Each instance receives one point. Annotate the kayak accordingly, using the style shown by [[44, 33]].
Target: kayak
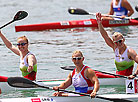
[[100, 98], [26, 83], [105, 79], [103, 82], [75, 24]]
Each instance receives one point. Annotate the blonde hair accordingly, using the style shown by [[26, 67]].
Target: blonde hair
[[77, 52], [24, 38], [116, 34]]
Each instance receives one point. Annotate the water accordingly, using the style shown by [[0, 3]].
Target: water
[[53, 49]]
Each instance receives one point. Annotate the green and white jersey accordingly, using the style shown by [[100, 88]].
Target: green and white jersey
[[122, 62], [24, 65]]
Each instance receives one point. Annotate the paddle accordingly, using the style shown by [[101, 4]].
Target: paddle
[[72, 68], [19, 15], [78, 11], [21, 82]]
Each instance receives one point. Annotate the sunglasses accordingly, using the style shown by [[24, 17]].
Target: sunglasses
[[120, 41], [22, 44], [77, 58]]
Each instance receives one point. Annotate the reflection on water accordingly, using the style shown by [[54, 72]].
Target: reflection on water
[[123, 29], [20, 93], [26, 93], [112, 89]]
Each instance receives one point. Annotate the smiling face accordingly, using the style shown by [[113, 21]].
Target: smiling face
[[22, 44], [77, 58], [118, 39]]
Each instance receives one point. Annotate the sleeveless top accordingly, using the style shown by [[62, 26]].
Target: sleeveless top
[[118, 9], [122, 62], [80, 82], [24, 65]]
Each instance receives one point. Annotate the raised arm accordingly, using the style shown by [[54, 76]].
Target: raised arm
[[104, 34], [9, 44]]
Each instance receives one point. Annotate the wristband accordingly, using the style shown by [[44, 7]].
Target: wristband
[[134, 75]]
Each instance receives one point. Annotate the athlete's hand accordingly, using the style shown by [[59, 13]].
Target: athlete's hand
[[131, 77], [98, 17], [93, 94], [58, 93], [123, 16], [56, 88]]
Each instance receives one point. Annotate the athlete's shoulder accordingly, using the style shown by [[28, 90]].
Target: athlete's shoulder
[[125, 2]]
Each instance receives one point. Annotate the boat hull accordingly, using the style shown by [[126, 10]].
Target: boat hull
[[74, 24], [128, 97], [48, 99]]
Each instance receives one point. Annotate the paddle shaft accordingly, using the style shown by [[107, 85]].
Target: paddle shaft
[[7, 24], [78, 11], [114, 100], [19, 15], [73, 67], [112, 74], [110, 99], [113, 16]]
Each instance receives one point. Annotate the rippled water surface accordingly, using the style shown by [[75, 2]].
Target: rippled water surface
[[54, 48]]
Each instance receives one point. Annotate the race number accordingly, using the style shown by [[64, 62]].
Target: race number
[[131, 86]]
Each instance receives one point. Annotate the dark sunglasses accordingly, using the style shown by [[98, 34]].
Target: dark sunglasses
[[77, 58], [22, 44], [120, 41]]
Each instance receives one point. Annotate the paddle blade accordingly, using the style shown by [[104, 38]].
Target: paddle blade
[[68, 67], [77, 11], [21, 82], [20, 15]]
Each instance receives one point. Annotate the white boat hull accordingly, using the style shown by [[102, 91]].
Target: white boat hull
[[128, 97], [103, 81]]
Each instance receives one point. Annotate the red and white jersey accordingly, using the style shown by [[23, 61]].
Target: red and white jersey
[[81, 83]]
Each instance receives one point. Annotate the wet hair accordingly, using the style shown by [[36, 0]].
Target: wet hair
[[76, 52], [116, 34], [24, 38]]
